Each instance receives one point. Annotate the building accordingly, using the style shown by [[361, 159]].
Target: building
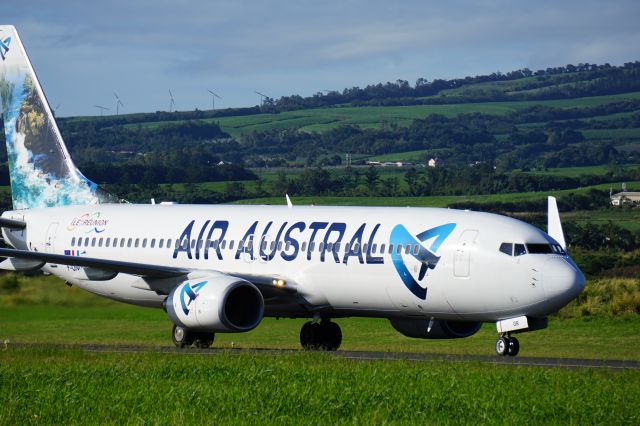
[[625, 197], [435, 162]]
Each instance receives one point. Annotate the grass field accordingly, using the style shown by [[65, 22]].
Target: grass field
[[51, 384], [55, 386], [321, 119]]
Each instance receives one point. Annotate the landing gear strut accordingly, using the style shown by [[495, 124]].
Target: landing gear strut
[[324, 336], [183, 337], [507, 345]]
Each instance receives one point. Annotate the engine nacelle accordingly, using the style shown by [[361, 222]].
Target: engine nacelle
[[440, 329], [219, 303]]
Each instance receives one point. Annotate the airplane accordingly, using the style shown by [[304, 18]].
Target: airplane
[[433, 273]]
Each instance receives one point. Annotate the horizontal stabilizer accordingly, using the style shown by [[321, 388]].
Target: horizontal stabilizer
[[11, 223]]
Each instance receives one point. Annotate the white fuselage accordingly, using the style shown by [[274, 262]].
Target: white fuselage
[[337, 257]]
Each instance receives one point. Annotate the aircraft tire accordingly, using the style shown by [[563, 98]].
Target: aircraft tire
[[502, 346], [331, 336], [514, 346], [310, 336], [181, 336], [204, 340]]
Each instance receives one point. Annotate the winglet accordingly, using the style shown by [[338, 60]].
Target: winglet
[[289, 204], [554, 226]]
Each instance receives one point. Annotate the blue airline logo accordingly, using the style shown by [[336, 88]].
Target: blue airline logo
[[189, 293], [401, 237], [4, 47]]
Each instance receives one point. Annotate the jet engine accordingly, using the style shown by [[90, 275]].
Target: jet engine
[[218, 304], [440, 329]]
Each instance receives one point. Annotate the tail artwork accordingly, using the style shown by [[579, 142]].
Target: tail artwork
[[41, 170]]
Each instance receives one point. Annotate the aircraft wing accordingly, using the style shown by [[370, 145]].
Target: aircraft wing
[[141, 269], [268, 285]]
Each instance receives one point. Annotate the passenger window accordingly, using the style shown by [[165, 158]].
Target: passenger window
[[390, 248], [312, 246], [161, 243], [144, 243], [107, 242], [86, 242], [137, 242], [222, 244], [374, 246], [519, 250], [100, 242], [382, 247], [329, 246], [93, 242], [169, 243], [336, 247], [356, 247], [287, 246], [129, 242], [153, 243], [73, 241], [407, 249], [304, 246], [365, 246], [215, 245], [416, 249], [121, 242], [272, 246], [399, 249], [231, 244], [507, 248], [193, 244], [321, 247]]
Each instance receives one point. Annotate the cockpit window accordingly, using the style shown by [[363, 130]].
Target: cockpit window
[[539, 248], [519, 250], [507, 248], [557, 249]]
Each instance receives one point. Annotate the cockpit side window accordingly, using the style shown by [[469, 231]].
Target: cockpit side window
[[539, 248], [519, 250], [507, 248]]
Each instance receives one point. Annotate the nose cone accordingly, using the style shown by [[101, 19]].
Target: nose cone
[[563, 281]]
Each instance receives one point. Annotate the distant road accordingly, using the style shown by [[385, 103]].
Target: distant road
[[611, 364]]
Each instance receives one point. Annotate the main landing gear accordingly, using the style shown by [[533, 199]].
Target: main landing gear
[[183, 337], [323, 336], [507, 345]]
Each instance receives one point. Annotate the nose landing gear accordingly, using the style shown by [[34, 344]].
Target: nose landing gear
[[507, 345]]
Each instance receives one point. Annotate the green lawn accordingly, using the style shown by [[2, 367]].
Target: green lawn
[[55, 386]]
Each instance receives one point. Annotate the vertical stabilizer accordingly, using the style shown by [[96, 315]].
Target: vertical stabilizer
[[42, 173]]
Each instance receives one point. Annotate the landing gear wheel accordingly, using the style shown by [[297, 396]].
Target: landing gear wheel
[[514, 346], [203, 340], [310, 336], [502, 346], [181, 336], [331, 336], [325, 336]]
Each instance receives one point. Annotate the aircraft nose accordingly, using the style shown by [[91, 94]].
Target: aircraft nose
[[563, 281]]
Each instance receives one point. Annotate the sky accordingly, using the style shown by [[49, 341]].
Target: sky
[[84, 51]]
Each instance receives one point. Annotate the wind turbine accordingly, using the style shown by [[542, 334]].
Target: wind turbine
[[172, 103], [213, 99], [262, 96], [118, 103], [55, 110], [102, 109]]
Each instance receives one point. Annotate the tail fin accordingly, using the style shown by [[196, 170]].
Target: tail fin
[[41, 171]]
